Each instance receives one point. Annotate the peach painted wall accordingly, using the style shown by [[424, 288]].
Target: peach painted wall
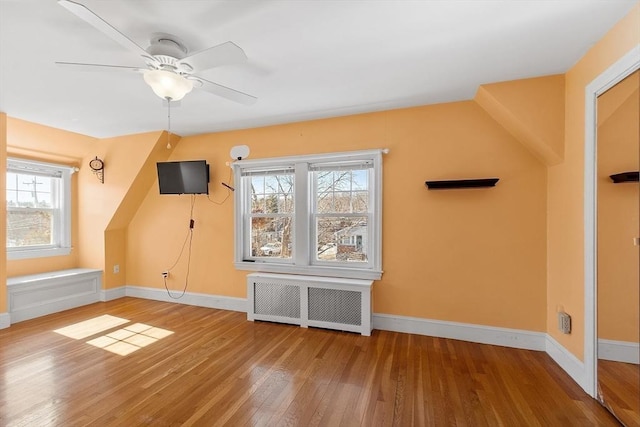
[[124, 158], [565, 283], [618, 222], [532, 110], [3, 213], [115, 255], [38, 142], [115, 234], [95, 207], [476, 256]]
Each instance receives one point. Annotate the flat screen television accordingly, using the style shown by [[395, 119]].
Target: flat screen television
[[186, 177]]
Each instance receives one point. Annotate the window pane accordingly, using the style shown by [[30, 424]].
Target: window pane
[[33, 226], [271, 237], [324, 202], [342, 191], [360, 201], [12, 181], [342, 239], [30, 227], [29, 191], [324, 181], [272, 193], [38, 208]]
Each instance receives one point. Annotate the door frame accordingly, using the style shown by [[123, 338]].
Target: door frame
[[621, 69]]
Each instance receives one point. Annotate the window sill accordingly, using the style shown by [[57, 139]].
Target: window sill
[[37, 253], [347, 273]]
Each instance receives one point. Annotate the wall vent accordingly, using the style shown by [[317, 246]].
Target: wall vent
[[325, 302]]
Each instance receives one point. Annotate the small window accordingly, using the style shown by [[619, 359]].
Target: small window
[[318, 214], [38, 209]]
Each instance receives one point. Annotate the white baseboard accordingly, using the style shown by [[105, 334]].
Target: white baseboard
[[189, 298], [619, 351], [573, 366], [111, 294], [515, 338], [5, 320]]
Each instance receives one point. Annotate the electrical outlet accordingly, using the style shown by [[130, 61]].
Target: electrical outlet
[[116, 269], [564, 322], [165, 274]]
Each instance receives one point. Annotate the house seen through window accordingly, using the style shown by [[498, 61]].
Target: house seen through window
[[315, 214]]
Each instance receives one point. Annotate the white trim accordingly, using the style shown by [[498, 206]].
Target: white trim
[[46, 293], [302, 262], [619, 351], [506, 337], [29, 166], [5, 320], [567, 361], [37, 253], [112, 294], [337, 272], [61, 228], [515, 338], [189, 298], [615, 73], [309, 158]]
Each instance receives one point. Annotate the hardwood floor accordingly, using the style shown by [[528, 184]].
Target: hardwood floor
[[216, 368], [620, 386]]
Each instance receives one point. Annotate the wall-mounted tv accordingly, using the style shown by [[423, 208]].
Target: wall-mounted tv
[[187, 177]]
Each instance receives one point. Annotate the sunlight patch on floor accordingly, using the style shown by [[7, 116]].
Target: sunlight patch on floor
[[121, 341], [130, 338], [90, 327]]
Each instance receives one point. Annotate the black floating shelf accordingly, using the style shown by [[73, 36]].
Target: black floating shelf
[[624, 177], [461, 183]]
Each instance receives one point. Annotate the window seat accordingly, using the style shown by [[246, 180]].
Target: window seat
[[37, 295]]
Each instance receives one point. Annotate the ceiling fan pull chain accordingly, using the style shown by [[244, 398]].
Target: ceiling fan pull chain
[[169, 123]]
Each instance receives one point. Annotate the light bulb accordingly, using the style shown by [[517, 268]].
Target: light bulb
[[167, 84]]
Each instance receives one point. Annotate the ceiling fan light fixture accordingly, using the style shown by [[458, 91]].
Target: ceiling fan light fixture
[[168, 85]]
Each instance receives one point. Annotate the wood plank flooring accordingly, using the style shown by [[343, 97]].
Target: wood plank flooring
[[216, 368], [620, 386]]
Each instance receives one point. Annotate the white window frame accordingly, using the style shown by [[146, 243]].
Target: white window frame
[[246, 189], [62, 215], [369, 263], [302, 261]]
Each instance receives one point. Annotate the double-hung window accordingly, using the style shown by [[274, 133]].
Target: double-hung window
[[38, 209], [314, 214]]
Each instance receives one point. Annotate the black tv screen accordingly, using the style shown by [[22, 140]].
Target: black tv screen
[[188, 177]]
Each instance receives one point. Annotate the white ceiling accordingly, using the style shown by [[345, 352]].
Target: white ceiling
[[307, 59]]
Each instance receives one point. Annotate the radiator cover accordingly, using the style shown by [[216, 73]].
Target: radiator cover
[[324, 302]]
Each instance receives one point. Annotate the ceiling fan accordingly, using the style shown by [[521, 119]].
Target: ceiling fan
[[170, 67]]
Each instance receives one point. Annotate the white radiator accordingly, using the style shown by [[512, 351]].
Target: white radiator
[[323, 302]]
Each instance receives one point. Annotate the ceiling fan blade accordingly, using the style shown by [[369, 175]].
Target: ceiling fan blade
[[99, 67], [225, 92], [222, 54], [94, 20]]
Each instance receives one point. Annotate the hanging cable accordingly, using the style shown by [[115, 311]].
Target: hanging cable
[[229, 188], [188, 238]]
